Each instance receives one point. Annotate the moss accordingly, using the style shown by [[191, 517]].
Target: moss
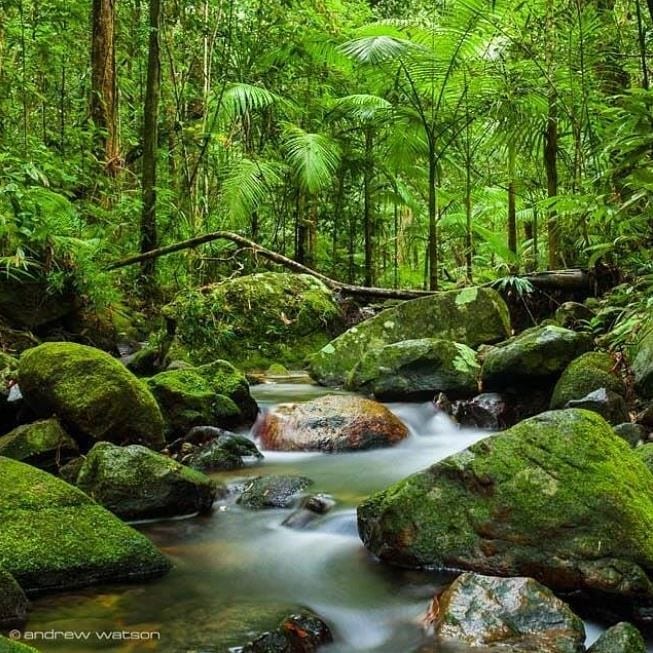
[[277, 369], [642, 364], [43, 444], [415, 368], [645, 454], [621, 638], [472, 317], [540, 353], [54, 537], [93, 394], [137, 483], [11, 646], [13, 602], [255, 320], [558, 497], [585, 374]]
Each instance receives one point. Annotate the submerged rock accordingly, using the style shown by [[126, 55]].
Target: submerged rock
[[507, 614], [585, 374], [256, 320], [92, 393], [54, 537], [536, 355], [272, 491], [137, 483], [611, 406], [472, 316], [414, 369], [559, 497], [303, 632], [622, 638], [13, 602], [333, 423], [43, 444], [310, 509]]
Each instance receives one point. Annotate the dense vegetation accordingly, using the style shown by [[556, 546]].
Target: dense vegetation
[[399, 144]]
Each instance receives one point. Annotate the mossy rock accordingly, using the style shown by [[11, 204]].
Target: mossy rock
[[43, 444], [13, 602], [585, 374], [534, 356], [92, 393], [216, 394], [559, 497], [277, 369], [473, 316], [136, 483], [54, 537], [621, 638], [507, 614], [12, 646], [255, 320], [415, 369], [273, 491], [642, 364], [645, 454]]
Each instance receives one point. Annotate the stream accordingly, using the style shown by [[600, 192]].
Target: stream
[[236, 567]]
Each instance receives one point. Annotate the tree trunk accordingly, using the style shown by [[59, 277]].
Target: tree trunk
[[104, 95], [551, 167], [433, 219], [368, 210], [512, 202], [150, 139]]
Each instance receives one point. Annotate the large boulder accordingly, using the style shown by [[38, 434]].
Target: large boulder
[[585, 374], [43, 444], [417, 369], [54, 537], [136, 483], [558, 497], [536, 355], [332, 423], [473, 316], [13, 602], [507, 614], [255, 320], [642, 365], [621, 638], [91, 393]]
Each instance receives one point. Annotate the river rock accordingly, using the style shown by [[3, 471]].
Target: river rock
[[559, 497], [507, 614], [631, 433], [489, 411], [642, 364], [134, 482], [309, 510], [472, 316], [417, 369], [333, 423], [92, 393], [221, 455], [536, 355], [255, 320], [585, 374], [611, 406], [303, 632], [43, 444], [272, 491], [13, 602], [573, 315], [54, 537], [621, 638]]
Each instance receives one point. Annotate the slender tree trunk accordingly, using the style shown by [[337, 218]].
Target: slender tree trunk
[[512, 202], [368, 210], [150, 138], [551, 168], [104, 94], [649, 3], [433, 219]]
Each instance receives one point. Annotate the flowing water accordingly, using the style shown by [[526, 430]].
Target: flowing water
[[236, 569]]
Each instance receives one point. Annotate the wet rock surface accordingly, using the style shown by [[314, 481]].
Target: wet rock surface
[[272, 491], [621, 638]]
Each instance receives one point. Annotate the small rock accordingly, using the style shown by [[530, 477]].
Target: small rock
[[622, 638], [310, 509], [272, 491], [13, 602], [298, 633], [488, 411], [507, 614], [333, 423], [573, 315], [631, 433], [611, 406]]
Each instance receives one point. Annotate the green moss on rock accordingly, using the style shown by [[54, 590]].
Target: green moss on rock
[[256, 319], [93, 394], [621, 638], [472, 316], [43, 444], [136, 483], [11, 646], [559, 497], [417, 368], [540, 353], [13, 602], [585, 374], [54, 537]]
